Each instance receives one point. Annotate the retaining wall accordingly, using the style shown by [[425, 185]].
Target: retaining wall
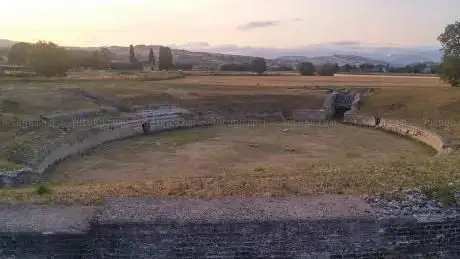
[[310, 115], [321, 227], [77, 115], [402, 128], [80, 142], [77, 143], [87, 139]]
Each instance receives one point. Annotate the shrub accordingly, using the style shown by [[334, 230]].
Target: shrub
[[445, 194], [450, 70], [42, 189], [328, 69], [306, 69], [258, 65], [48, 59]]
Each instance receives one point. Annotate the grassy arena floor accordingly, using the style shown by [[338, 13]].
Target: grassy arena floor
[[279, 150], [423, 101]]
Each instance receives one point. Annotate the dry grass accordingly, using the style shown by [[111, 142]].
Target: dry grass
[[355, 178], [229, 150], [419, 100], [102, 75], [306, 81], [256, 161]]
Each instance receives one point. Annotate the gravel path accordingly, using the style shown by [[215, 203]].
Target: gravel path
[[45, 219], [234, 209], [412, 203], [76, 219]]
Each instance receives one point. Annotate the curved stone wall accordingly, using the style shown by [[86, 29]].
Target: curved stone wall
[[402, 128], [81, 142]]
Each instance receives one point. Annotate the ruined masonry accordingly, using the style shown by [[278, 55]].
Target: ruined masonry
[[328, 226]]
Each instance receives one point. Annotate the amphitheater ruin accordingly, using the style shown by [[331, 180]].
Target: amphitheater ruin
[[328, 226]]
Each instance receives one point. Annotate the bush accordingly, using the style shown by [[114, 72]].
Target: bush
[[42, 189], [48, 59], [306, 69], [328, 69], [236, 67], [444, 193], [165, 59], [450, 70], [258, 65]]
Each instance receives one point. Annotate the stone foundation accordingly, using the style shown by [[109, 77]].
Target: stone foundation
[[322, 227]]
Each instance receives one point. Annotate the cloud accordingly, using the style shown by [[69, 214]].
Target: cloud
[[258, 24]]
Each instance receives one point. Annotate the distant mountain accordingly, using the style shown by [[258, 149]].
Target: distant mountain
[[338, 59], [395, 55], [206, 54], [183, 56]]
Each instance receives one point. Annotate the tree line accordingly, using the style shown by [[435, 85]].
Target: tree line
[[450, 66], [259, 65], [49, 59]]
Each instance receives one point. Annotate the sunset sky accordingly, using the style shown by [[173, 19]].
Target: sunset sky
[[261, 23]]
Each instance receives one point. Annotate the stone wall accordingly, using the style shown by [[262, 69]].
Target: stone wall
[[402, 128], [321, 227], [420, 134], [84, 140], [163, 118], [310, 115], [79, 142], [78, 115]]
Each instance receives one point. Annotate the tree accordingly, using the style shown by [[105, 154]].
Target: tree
[[100, 59], [236, 67], [346, 68], [151, 57], [435, 68], [132, 56], [450, 42], [306, 68], [19, 53], [165, 59], [48, 59], [327, 69], [258, 65], [450, 39], [450, 70]]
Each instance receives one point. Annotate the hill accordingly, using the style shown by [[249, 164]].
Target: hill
[[212, 59], [339, 59], [216, 59]]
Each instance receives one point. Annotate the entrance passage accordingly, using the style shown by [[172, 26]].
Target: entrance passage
[[339, 112]]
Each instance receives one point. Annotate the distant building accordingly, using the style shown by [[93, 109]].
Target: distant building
[[380, 68], [427, 70]]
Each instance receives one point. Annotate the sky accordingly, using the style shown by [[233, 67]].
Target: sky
[[256, 23]]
